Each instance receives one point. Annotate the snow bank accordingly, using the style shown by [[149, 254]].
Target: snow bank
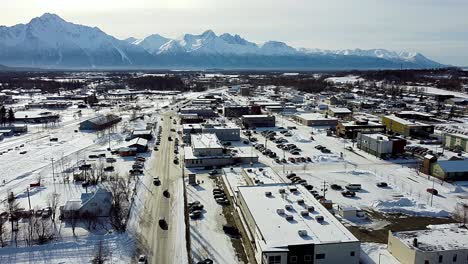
[[409, 207]]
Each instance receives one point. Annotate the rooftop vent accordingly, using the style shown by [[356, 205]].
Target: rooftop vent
[[280, 211], [289, 217], [302, 233], [304, 213], [292, 189], [268, 194], [310, 208], [282, 190], [288, 207], [300, 201], [319, 218]]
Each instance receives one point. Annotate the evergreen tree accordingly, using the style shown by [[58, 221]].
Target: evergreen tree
[[2, 115], [11, 116]]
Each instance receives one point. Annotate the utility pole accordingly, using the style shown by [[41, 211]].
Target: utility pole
[[432, 193], [29, 200], [324, 188]]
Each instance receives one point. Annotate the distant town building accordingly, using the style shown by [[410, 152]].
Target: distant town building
[[253, 121], [353, 128], [341, 113], [224, 132], [236, 110], [100, 122], [315, 119]]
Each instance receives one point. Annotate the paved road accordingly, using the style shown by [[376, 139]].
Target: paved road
[[161, 244]]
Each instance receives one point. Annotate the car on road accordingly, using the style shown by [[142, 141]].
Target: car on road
[[348, 193], [213, 172], [432, 191], [166, 193], [353, 187], [231, 230], [382, 184], [23, 152], [142, 259], [163, 223], [156, 181]]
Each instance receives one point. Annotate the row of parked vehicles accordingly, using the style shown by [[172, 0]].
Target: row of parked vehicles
[[323, 149], [195, 209], [220, 196], [138, 166], [158, 139]]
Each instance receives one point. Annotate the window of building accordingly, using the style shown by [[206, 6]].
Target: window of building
[[274, 260], [307, 258], [455, 258], [441, 258], [426, 262], [320, 256], [293, 259], [352, 254]]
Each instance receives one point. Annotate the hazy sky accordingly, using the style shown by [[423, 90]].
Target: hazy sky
[[436, 28]]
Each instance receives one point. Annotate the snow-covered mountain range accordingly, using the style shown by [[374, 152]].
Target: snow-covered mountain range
[[49, 41]]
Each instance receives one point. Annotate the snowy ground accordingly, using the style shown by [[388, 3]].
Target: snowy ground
[[19, 170], [208, 239]]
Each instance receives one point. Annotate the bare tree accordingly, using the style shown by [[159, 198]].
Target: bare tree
[[3, 232], [42, 230], [461, 213], [12, 208], [102, 254], [53, 202], [120, 207]]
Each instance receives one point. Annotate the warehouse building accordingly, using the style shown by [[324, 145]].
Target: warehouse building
[[205, 150], [407, 128], [315, 119], [253, 121], [437, 245], [286, 224], [380, 145], [224, 132], [456, 141], [100, 122], [340, 112], [200, 111], [451, 170], [236, 110]]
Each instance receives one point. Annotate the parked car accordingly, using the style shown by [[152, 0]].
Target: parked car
[[156, 181], [142, 259], [432, 191], [166, 193], [348, 193], [163, 224], [213, 172], [382, 184], [23, 152], [353, 187], [205, 261], [336, 187], [231, 230], [195, 214]]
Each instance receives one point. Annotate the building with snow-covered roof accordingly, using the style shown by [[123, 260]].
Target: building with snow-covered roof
[[286, 224], [205, 150], [253, 121], [315, 119], [380, 145], [340, 112], [444, 244], [407, 128], [100, 122]]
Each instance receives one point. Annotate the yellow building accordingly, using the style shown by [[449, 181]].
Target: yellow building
[[407, 128]]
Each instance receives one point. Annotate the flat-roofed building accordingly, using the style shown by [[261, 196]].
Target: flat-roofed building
[[381, 145], [224, 132], [205, 150], [253, 121], [353, 128], [286, 224], [315, 119], [407, 128], [440, 244], [235, 110], [200, 111], [340, 112]]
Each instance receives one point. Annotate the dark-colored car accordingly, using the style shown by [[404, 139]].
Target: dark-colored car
[[336, 187], [163, 224], [166, 193], [432, 191], [231, 230], [156, 181], [382, 184], [348, 194]]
